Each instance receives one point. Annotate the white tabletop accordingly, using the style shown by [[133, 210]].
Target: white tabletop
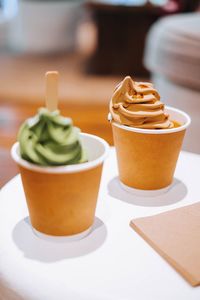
[[112, 262]]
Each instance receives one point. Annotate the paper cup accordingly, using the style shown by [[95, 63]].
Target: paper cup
[[62, 200], [147, 158]]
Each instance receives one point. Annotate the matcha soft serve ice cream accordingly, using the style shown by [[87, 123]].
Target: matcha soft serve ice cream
[[60, 179], [49, 139]]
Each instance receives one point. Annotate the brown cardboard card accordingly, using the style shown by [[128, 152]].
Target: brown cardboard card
[[175, 235]]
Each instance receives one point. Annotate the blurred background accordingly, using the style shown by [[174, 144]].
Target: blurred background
[[93, 44]]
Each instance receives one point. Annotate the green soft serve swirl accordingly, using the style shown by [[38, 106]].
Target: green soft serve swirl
[[49, 139]]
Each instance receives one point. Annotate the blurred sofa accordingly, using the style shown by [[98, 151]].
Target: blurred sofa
[[172, 55]]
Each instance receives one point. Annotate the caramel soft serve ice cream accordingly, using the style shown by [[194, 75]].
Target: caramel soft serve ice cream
[[137, 104], [147, 136]]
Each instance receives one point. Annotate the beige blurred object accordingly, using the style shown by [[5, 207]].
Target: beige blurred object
[[173, 57], [86, 37], [175, 236], [45, 26]]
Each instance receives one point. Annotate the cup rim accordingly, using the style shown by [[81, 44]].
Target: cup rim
[[62, 169], [162, 131]]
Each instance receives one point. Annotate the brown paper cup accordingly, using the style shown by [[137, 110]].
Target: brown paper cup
[[147, 158], [62, 200]]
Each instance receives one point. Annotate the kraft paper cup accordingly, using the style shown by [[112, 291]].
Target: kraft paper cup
[[147, 158], [62, 200]]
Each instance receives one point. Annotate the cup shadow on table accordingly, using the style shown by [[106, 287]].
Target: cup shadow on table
[[176, 193], [36, 248]]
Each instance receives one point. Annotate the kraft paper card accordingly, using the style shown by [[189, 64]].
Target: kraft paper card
[[175, 235]]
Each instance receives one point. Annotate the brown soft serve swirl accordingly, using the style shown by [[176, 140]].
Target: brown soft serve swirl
[[137, 104]]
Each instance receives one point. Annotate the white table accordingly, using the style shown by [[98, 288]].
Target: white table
[[112, 262]]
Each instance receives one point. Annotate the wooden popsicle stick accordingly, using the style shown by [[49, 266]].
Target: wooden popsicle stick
[[52, 90]]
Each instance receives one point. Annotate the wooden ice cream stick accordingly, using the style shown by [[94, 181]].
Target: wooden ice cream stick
[[52, 90]]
